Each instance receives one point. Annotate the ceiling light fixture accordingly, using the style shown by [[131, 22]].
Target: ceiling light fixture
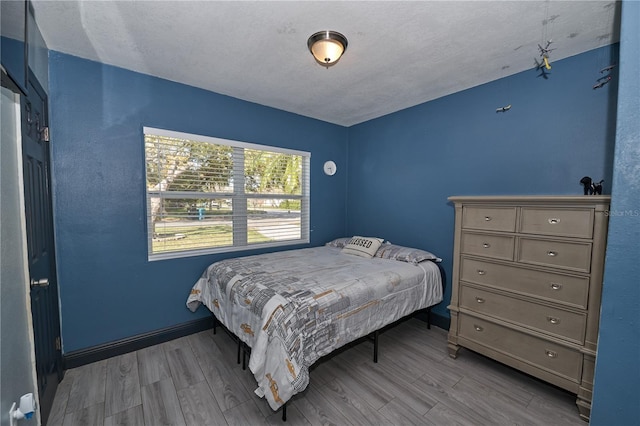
[[327, 47]]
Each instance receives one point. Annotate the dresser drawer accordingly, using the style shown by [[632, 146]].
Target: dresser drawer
[[489, 218], [530, 349], [560, 288], [560, 254], [560, 222], [496, 246], [547, 319]]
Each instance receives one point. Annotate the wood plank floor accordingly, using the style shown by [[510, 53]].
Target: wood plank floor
[[195, 380]]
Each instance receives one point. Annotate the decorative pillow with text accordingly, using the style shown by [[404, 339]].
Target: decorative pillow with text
[[362, 246]]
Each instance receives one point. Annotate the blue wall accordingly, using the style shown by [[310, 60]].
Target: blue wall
[[108, 289], [403, 166], [401, 169], [616, 396]]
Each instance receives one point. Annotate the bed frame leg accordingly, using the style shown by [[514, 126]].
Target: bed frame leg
[[429, 318], [375, 346], [239, 350], [244, 356], [215, 323], [284, 412]]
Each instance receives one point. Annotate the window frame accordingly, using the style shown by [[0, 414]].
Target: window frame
[[239, 196]]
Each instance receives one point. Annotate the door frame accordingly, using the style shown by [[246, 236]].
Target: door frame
[[18, 354]]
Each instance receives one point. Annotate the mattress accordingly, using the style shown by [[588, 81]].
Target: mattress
[[293, 307]]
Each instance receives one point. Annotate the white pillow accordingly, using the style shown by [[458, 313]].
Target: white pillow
[[338, 242], [405, 254], [362, 246]]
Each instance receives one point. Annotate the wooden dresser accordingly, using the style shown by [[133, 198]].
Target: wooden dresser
[[526, 284]]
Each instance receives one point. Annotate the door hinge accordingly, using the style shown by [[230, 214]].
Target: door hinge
[[58, 344], [45, 134]]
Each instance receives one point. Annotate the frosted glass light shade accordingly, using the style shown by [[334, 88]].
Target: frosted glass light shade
[[327, 47]]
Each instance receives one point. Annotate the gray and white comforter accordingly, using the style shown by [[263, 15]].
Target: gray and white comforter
[[293, 307]]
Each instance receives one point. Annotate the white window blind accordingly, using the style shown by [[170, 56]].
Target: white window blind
[[210, 195]]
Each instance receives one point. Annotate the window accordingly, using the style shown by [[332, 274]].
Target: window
[[209, 195]]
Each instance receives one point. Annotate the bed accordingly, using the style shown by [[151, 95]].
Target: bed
[[293, 307]]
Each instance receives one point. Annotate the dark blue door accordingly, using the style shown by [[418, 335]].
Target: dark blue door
[[40, 242]]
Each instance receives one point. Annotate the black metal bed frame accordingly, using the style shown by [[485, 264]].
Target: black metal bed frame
[[244, 349]]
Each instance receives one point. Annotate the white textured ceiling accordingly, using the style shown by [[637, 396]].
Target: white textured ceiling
[[400, 53]]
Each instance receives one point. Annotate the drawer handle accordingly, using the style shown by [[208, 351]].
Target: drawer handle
[[478, 328], [555, 286], [481, 272], [552, 253], [553, 220], [551, 354], [553, 320], [486, 245], [479, 299], [487, 218]]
